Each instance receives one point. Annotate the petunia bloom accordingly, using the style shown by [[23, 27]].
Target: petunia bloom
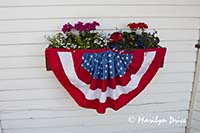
[[91, 26], [80, 26], [134, 26], [116, 37], [67, 27]]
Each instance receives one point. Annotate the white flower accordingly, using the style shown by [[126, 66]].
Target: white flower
[[74, 32], [139, 31], [65, 36]]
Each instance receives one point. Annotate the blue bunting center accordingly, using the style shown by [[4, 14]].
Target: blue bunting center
[[105, 65]]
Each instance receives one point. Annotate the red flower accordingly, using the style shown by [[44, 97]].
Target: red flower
[[116, 36], [134, 26], [142, 26]]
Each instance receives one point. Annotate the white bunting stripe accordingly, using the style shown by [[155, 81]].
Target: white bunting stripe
[[68, 66]]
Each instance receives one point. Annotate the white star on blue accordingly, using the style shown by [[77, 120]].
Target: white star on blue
[[105, 65]]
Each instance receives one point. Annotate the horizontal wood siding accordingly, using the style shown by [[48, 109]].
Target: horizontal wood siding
[[196, 114], [32, 100]]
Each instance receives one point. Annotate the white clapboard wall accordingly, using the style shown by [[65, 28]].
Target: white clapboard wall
[[196, 113], [32, 100]]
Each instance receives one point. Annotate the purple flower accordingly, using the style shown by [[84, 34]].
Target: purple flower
[[91, 26], [95, 23], [67, 27], [79, 26]]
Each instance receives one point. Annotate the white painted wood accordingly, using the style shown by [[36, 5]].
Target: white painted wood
[[197, 106], [195, 124], [98, 120], [53, 83], [179, 46], [64, 106], [57, 105], [33, 101], [32, 94], [173, 78], [158, 88], [131, 109], [178, 57], [41, 73], [70, 111], [22, 50], [21, 62], [97, 2], [64, 129], [196, 115], [194, 130], [29, 84], [60, 93], [105, 23], [155, 88], [96, 11], [25, 73]]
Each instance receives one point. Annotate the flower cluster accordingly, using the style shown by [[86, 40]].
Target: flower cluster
[[84, 36], [136, 38], [80, 26], [78, 36], [135, 26]]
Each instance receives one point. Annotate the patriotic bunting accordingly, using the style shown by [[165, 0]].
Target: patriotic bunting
[[104, 78]]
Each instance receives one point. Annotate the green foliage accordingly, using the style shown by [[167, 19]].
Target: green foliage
[[85, 36], [77, 40], [134, 40]]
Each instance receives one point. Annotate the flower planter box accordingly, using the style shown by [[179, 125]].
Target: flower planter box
[[104, 78]]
